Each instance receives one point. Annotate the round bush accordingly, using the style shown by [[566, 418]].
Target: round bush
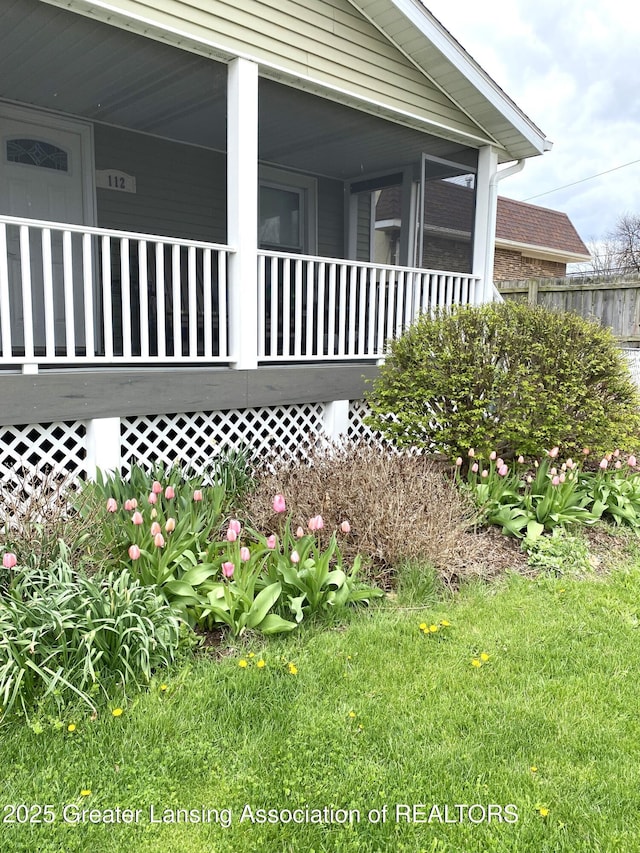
[[507, 377]]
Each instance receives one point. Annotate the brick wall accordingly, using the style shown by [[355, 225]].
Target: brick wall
[[511, 265]]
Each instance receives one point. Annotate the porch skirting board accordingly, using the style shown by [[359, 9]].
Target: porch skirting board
[[76, 449]]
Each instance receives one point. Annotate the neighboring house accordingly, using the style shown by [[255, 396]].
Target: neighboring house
[[187, 197], [530, 241], [534, 242]]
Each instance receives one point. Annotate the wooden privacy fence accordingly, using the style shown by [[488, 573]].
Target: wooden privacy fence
[[612, 299]]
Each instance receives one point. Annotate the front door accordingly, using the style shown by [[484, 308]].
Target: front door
[[44, 164]]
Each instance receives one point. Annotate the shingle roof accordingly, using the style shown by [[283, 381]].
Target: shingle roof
[[520, 222]]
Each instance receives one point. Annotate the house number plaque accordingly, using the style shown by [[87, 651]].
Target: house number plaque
[[113, 179]]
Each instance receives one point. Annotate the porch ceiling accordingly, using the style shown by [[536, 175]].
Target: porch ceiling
[[63, 61]]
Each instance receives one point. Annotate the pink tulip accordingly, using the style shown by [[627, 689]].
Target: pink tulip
[[618, 464], [153, 498], [130, 505], [503, 470], [562, 477], [485, 473], [158, 540], [555, 481], [315, 523], [234, 524], [295, 557], [170, 526], [631, 461], [112, 505], [137, 518], [345, 527], [521, 460], [499, 462], [493, 456], [228, 569], [9, 560], [156, 488], [231, 535], [134, 552], [585, 451], [474, 468], [458, 461], [245, 554], [155, 528], [169, 493], [570, 463], [279, 504], [553, 472], [271, 542], [554, 452], [471, 452], [197, 495], [616, 453], [604, 464], [154, 513], [299, 533]]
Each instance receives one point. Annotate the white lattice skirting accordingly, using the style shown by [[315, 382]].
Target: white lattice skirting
[[76, 449]]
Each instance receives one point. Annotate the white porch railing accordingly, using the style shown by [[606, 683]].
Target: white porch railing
[[75, 294], [314, 308]]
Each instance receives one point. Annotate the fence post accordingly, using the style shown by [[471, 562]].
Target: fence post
[[532, 293], [336, 420], [103, 446]]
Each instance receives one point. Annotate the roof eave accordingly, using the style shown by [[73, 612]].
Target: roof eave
[[546, 253]]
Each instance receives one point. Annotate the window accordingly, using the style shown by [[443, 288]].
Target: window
[[287, 211], [35, 152]]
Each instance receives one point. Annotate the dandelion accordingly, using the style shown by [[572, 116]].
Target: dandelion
[[71, 727], [117, 712], [158, 540], [228, 569], [156, 488], [475, 662], [444, 623], [543, 811], [352, 714], [423, 626], [251, 655], [163, 688], [271, 542], [484, 657], [433, 629], [260, 664], [242, 663], [279, 504], [533, 769], [85, 792], [9, 560], [134, 552], [235, 525], [137, 518], [197, 495], [293, 669], [245, 554], [170, 526], [169, 493], [112, 505]]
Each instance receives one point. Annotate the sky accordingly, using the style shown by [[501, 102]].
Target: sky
[[573, 67]]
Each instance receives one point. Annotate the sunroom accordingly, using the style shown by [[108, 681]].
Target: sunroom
[[165, 199]]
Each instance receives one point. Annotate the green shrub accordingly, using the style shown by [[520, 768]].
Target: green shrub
[[64, 636], [507, 377]]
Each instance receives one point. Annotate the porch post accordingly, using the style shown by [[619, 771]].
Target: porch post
[[103, 446], [242, 211], [484, 241]]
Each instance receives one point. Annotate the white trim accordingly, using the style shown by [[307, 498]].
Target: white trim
[[83, 129], [307, 186], [530, 250]]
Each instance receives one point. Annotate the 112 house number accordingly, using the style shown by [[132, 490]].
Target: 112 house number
[[111, 179]]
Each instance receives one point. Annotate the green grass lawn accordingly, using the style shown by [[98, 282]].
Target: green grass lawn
[[379, 717]]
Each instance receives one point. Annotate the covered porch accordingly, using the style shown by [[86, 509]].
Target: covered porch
[[159, 206]]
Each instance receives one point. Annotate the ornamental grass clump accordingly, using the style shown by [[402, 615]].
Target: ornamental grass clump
[[505, 376]]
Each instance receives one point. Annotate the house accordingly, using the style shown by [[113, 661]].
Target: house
[[530, 241], [534, 241], [187, 197]]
